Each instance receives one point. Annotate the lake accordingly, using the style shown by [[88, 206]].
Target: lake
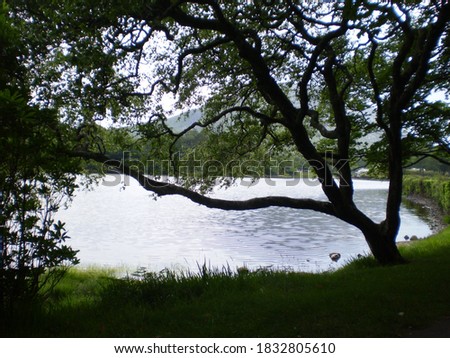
[[124, 226]]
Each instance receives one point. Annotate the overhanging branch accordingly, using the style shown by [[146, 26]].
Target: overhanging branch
[[162, 189]]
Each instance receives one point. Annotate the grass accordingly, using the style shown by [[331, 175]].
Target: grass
[[360, 300], [435, 187]]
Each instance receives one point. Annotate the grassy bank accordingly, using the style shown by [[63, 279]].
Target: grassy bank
[[436, 188], [360, 300]]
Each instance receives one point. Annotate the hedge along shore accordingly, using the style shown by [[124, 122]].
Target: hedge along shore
[[433, 195]]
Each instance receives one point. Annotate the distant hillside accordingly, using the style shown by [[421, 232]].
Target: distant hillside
[[184, 120]]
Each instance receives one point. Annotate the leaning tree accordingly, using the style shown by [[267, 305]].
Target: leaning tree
[[312, 77]]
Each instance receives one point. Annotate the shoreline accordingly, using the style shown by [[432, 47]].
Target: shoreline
[[429, 210]]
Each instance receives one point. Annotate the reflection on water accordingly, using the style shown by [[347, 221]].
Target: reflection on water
[[116, 227]]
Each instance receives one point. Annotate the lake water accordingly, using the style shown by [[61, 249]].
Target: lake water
[[125, 227]]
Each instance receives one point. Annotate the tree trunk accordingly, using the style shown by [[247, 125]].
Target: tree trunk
[[383, 247]]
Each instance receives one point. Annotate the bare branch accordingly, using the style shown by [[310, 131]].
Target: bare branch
[[196, 51], [264, 119], [427, 155]]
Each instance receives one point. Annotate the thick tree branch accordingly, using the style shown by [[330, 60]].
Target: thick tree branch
[[428, 39], [265, 82], [376, 90], [330, 134], [343, 127], [162, 189]]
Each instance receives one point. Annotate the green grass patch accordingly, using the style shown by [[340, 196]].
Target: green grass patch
[[435, 187], [362, 299]]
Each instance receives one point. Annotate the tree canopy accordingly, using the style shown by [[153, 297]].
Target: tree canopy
[[313, 78]]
